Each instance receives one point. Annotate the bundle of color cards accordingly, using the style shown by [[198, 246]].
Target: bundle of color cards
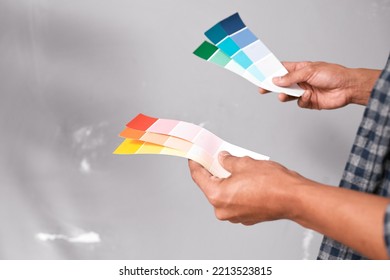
[[148, 135], [236, 48]]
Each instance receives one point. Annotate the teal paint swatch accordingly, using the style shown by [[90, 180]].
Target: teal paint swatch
[[256, 73], [216, 33], [242, 59], [228, 46]]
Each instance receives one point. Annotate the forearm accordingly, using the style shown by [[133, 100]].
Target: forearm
[[353, 218], [361, 84], [262, 190]]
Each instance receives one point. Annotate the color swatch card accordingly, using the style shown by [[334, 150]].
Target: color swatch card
[[148, 135], [236, 48]]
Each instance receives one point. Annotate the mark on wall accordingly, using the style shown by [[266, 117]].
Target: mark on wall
[[86, 142], [87, 237], [308, 236], [85, 166], [89, 137]]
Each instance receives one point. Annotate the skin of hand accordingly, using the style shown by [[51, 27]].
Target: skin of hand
[[327, 85], [259, 191]]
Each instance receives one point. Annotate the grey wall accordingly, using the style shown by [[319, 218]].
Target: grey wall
[[72, 73]]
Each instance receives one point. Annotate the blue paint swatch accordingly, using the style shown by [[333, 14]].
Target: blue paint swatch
[[232, 24], [242, 59], [256, 73], [216, 33], [244, 38], [257, 51]]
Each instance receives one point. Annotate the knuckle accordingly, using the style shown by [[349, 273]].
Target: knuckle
[[215, 198], [310, 68], [244, 161]]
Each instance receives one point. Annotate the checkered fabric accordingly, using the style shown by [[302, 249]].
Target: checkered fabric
[[368, 166]]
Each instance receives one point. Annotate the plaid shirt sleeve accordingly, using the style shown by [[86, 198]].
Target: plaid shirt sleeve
[[368, 166], [387, 229]]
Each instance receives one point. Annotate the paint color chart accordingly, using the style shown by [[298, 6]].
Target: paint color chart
[[148, 135], [235, 48]]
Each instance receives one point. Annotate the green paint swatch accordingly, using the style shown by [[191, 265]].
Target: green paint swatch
[[220, 58], [212, 53], [205, 50]]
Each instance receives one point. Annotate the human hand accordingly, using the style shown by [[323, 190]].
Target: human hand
[[256, 191], [327, 85]]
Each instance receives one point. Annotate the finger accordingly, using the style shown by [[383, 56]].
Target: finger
[[305, 100], [204, 179], [294, 77], [227, 160], [263, 91], [235, 220], [285, 98], [246, 223]]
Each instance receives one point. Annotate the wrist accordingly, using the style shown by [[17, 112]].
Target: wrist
[[362, 83], [301, 197], [295, 198]]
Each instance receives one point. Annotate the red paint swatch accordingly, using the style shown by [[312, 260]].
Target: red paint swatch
[[141, 122]]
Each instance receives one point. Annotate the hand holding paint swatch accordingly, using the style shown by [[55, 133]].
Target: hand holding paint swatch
[[148, 135], [240, 51]]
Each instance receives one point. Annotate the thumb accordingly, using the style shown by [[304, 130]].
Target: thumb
[[227, 160], [298, 76]]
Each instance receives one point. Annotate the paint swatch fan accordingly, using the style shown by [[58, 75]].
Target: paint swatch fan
[[235, 48], [148, 135]]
